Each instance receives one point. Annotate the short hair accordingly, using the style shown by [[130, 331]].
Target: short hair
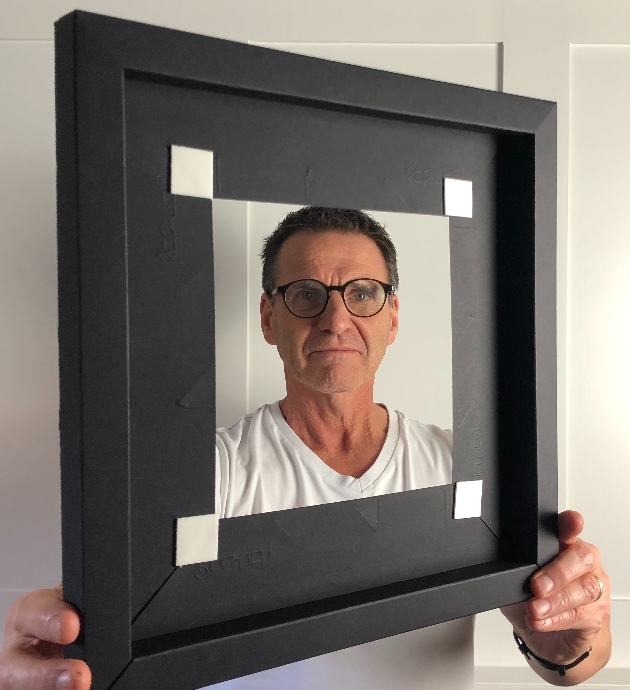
[[316, 219]]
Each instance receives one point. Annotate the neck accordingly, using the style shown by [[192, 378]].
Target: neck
[[346, 430]]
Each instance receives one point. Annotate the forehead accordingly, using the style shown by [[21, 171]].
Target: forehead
[[330, 255]]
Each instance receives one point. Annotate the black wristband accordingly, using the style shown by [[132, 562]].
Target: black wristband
[[549, 665]]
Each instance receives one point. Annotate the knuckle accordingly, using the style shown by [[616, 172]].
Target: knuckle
[[568, 572], [590, 587], [572, 616], [563, 600], [601, 616], [589, 555]]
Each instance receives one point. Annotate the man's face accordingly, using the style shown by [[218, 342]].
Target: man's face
[[334, 352]]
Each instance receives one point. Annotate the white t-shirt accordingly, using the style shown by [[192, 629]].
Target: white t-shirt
[[262, 465]]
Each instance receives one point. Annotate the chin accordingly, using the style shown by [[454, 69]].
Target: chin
[[330, 386], [332, 390]]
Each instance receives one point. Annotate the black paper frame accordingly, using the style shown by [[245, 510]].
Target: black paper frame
[[136, 291]]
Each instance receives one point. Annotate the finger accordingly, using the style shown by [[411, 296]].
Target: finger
[[570, 526], [576, 560], [581, 592], [588, 619], [21, 672], [45, 616]]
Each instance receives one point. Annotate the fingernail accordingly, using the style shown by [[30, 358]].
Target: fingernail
[[541, 606], [544, 583], [54, 627], [64, 681]]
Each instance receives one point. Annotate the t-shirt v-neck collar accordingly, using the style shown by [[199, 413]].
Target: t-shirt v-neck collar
[[358, 485]]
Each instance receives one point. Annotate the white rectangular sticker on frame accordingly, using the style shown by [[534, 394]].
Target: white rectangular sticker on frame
[[197, 539], [467, 499], [192, 172], [458, 198]]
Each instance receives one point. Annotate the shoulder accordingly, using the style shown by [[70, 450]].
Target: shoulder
[[427, 450], [245, 425], [234, 433], [238, 456], [427, 434]]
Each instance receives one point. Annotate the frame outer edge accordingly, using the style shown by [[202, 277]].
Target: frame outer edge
[[69, 330], [275, 646], [104, 361], [95, 449], [272, 71], [102, 587], [546, 343]]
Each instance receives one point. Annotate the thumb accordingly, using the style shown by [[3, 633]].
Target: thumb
[[570, 526]]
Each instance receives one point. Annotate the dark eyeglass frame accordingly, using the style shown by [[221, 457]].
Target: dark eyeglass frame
[[282, 289]]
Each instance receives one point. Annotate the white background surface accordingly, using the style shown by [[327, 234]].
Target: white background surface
[[574, 52], [424, 336], [249, 371]]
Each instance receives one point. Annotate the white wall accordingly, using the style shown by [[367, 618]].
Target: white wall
[[537, 48], [424, 336]]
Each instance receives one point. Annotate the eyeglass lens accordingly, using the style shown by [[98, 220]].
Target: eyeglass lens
[[308, 297]]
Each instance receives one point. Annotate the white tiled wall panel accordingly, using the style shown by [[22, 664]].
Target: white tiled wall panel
[[451, 40], [394, 21], [599, 23], [34, 19], [29, 446], [598, 371]]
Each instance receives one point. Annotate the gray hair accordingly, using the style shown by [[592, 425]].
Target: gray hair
[[315, 219]]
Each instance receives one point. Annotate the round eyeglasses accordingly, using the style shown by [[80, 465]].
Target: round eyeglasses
[[307, 298]]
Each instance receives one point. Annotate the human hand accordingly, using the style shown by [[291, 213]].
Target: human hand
[[567, 615], [36, 628]]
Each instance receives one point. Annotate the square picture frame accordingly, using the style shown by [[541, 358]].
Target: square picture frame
[[136, 341]]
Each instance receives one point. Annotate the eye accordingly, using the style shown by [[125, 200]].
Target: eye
[[361, 293]]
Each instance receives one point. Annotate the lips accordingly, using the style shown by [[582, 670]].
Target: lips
[[329, 347]]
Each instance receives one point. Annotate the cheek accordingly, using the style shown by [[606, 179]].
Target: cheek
[[376, 343], [380, 335], [289, 340]]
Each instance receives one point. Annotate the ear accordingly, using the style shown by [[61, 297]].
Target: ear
[[393, 319], [266, 318]]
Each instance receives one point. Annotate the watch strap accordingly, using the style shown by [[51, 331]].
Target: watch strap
[[549, 665]]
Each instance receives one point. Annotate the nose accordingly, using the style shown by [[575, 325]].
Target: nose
[[335, 318]]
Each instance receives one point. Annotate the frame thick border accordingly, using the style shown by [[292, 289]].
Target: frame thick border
[[116, 568]]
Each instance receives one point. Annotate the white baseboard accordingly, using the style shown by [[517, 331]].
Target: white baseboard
[[518, 678]]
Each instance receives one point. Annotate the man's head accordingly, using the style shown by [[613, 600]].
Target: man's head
[[336, 351], [317, 219]]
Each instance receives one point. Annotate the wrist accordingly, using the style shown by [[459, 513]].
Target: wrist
[[560, 669]]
